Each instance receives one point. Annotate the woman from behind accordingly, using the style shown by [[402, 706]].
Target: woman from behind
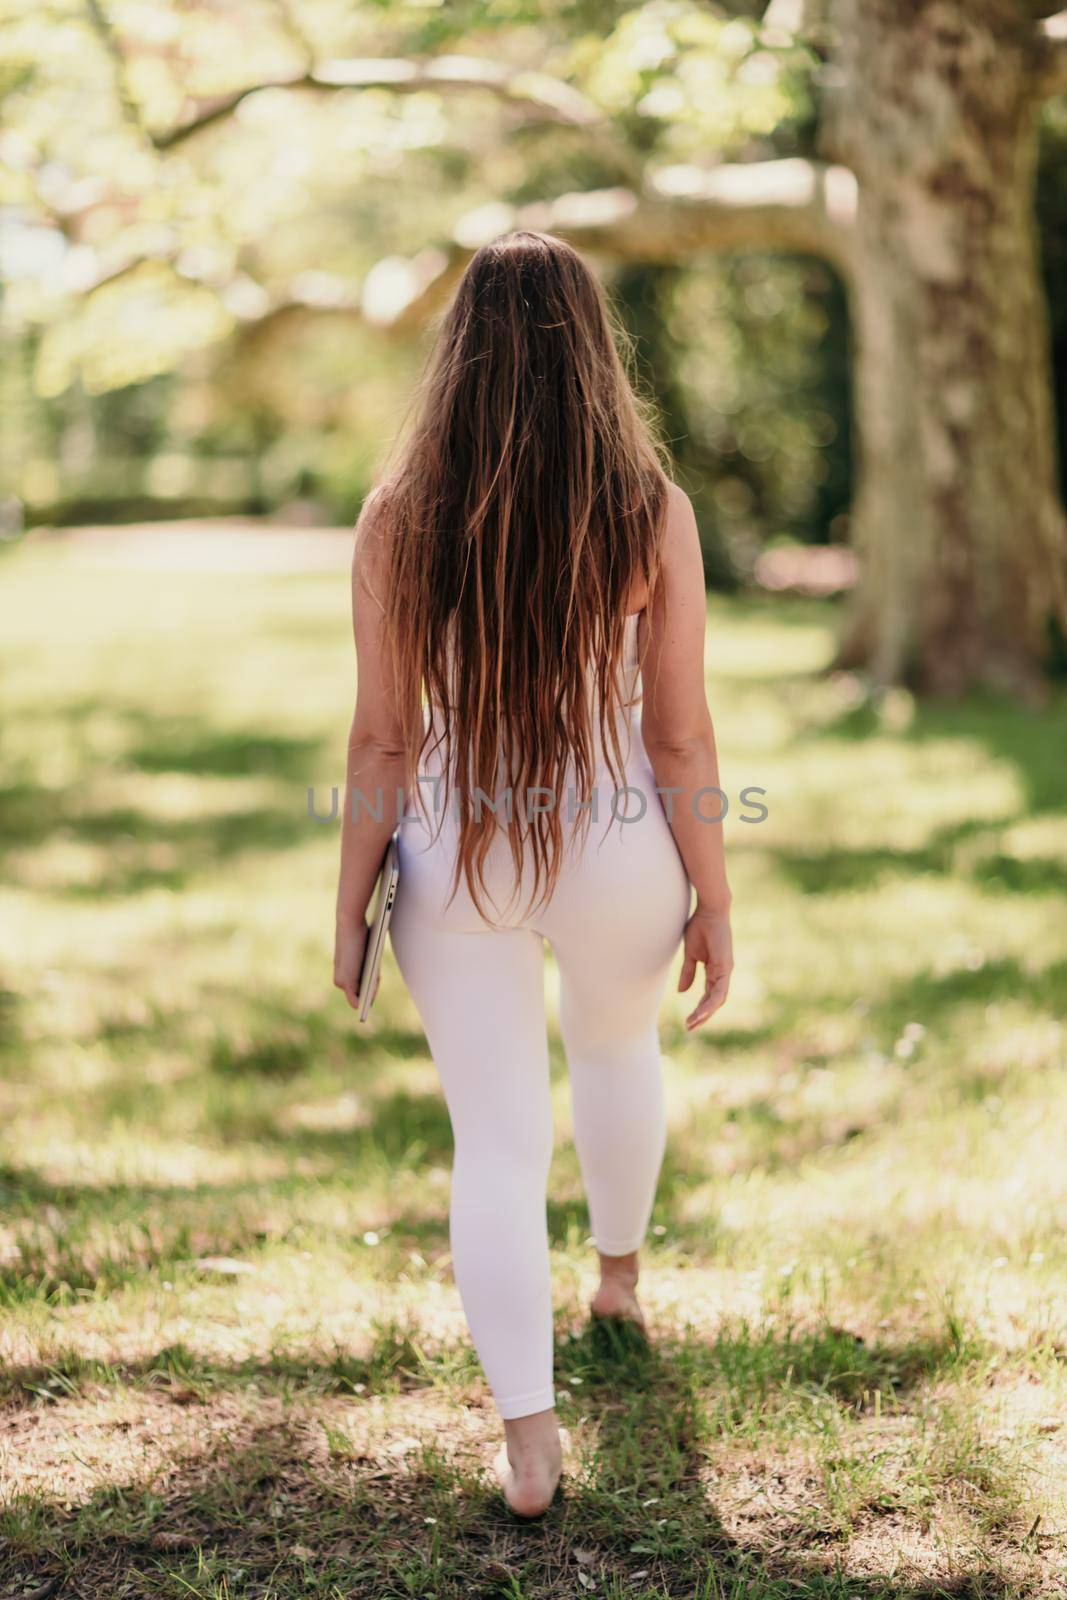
[[528, 608]]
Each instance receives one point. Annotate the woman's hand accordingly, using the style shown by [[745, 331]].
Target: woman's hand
[[349, 945], [707, 941]]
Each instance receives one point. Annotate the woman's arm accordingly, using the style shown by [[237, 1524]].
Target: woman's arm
[[376, 747], [680, 740]]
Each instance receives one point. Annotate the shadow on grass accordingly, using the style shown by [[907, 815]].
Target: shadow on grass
[[944, 855], [743, 1371], [98, 1237], [193, 746], [934, 997], [142, 849], [1032, 739], [71, 1239], [295, 1509]]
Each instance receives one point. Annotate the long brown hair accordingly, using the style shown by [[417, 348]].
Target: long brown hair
[[523, 509]]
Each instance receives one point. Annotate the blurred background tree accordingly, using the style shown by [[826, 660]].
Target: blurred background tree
[[226, 226]]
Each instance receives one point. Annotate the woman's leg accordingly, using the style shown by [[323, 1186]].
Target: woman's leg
[[481, 1000], [616, 1086], [615, 927]]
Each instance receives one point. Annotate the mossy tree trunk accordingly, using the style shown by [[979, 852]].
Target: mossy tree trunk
[[958, 516]]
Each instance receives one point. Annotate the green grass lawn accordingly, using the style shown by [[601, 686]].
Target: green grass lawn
[[856, 1276]]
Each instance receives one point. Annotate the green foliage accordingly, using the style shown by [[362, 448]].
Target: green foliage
[[747, 361], [687, 81], [249, 407], [187, 382]]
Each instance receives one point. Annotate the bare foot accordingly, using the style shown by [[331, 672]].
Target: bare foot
[[529, 1463], [617, 1295]]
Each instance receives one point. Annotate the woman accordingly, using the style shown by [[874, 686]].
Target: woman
[[524, 566]]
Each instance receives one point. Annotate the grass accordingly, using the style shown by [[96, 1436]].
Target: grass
[[233, 1362]]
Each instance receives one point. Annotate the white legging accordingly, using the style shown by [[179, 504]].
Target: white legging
[[614, 922]]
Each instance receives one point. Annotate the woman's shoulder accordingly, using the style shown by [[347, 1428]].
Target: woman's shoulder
[[679, 513], [680, 534], [376, 519], [377, 502], [681, 560], [371, 545]]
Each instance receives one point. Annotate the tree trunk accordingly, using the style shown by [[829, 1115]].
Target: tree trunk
[[958, 517]]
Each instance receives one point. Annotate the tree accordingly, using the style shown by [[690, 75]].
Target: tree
[[923, 203], [958, 514]]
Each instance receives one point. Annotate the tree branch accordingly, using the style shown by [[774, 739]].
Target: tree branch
[[98, 21], [243, 295], [548, 99], [1051, 72], [685, 212]]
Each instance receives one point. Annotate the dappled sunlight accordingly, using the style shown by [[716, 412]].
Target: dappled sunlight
[[832, 241], [78, 1446], [225, 1204], [885, 794], [53, 1150]]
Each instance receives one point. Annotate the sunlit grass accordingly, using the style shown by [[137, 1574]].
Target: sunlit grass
[[234, 1362]]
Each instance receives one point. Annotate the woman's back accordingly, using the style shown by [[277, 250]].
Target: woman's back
[[610, 800], [526, 506]]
